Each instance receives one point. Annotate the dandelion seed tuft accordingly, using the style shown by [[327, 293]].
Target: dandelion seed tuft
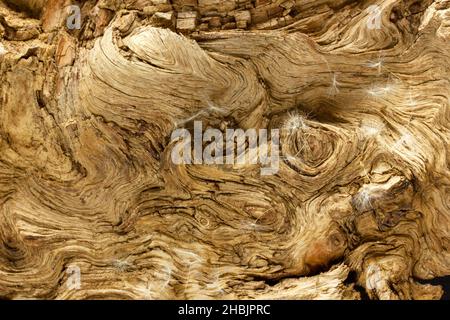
[[295, 122]]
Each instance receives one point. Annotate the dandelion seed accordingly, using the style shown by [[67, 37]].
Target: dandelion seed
[[376, 64], [371, 128], [205, 111], [189, 255], [211, 107], [405, 140], [255, 226], [145, 290], [304, 146], [122, 265], [365, 197], [383, 90], [289, 158], [334, 89], [295, 122], [193, 117], [380, 91], [362, 201]]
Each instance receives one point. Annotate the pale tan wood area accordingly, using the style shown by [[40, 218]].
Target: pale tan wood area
[[359, 91]]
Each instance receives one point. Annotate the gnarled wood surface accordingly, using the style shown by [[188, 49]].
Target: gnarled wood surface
[[361, 199]]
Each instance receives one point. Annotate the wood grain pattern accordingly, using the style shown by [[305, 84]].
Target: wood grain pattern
[[361, 198]]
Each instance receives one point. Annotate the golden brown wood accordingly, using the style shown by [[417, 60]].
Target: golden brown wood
[[361, 198]]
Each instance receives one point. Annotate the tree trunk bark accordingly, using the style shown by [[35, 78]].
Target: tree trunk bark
[[92, 204]]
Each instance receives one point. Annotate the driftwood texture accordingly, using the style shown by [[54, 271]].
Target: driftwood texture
[[361, 200]]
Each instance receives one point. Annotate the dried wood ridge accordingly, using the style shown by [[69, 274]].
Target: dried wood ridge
[[361, 199]]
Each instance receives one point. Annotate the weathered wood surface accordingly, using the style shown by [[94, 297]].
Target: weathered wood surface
[[361, 199]]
